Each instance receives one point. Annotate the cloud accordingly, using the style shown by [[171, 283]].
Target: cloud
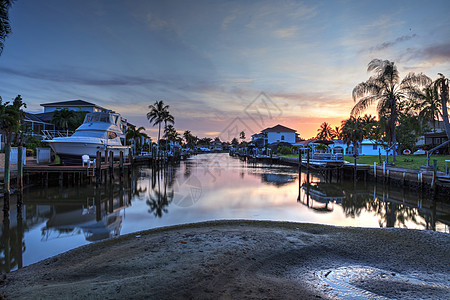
[[286, 32], [68, 76], [390, 44]]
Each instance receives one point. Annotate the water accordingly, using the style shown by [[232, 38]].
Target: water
[[205, 187]]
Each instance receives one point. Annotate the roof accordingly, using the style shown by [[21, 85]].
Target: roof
[[305, 142], [34, 118], [70, 103], [278, 128], [436, 134]]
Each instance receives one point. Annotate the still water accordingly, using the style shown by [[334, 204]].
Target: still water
[[204, 187]]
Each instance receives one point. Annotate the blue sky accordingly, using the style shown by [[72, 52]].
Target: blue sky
[[210, 60]]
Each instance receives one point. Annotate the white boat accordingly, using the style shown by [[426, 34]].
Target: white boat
[[100, 131]]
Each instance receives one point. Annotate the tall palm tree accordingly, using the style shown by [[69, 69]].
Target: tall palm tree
[[63, 118], [386, 88], [157, 114], [325, 132], [429, 105], [5, 27], [171, 133], [441, 85]]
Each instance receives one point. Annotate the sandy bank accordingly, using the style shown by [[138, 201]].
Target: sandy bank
[[245, 260]]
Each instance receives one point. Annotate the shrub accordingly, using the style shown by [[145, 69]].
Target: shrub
[[284, 150]]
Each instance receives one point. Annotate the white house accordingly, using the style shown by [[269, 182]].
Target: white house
[[279, 133], [366, 147]]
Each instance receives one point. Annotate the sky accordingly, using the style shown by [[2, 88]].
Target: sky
[[222, 66]]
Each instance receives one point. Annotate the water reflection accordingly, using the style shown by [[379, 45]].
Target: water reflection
[[206, 187]]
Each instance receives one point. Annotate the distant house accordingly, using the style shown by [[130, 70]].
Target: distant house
[[75, 105], [366, 147], [278, 133], [435, 139]]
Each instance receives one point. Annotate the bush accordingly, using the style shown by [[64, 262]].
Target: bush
[[284, 150]]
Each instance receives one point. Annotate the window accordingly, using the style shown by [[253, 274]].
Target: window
[[282, 137], [111, 135], [375, 147]]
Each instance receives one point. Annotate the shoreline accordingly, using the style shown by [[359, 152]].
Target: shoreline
[[243, 259]]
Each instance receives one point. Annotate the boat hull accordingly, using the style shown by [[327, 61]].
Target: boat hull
[[71, 152]]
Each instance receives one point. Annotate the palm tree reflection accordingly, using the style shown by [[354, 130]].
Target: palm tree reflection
[[162, 192]]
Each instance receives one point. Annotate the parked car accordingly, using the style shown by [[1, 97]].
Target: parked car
[[420, 152]]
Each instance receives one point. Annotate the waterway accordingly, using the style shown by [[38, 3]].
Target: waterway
[[205, 187]]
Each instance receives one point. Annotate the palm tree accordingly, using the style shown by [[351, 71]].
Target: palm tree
[[352, 133], [337, 132], [10, 118], [441, 86], [167, 118], [325, 132], [5, 27], [386, 88], [429, 105], [171, 133], [63, 118], [134, 134], [156, 115]]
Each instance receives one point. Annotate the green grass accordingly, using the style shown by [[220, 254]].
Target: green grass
[[403, 161]]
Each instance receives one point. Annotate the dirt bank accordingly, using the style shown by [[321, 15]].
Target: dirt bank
[[245, 260]]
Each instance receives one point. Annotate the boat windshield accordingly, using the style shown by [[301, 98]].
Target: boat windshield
[[91, 133], [101, 117]]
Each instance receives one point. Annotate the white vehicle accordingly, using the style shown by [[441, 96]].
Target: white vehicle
[[100, 131]]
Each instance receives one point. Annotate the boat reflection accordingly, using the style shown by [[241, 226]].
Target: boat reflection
[[321, 196]]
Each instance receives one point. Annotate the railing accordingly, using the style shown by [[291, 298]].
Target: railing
[[51, 134]]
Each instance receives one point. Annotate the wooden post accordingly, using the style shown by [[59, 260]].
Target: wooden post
[[98, 168], [20, 168], [111, 165], [106, 155], [121, 165], [60, 179], [7, 179]]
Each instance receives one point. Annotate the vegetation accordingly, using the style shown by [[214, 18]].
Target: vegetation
[[386, 88], [283, 150], [403, 161], [63, 118], [159, 113], [5, 27], [326, 133], [135, 136]]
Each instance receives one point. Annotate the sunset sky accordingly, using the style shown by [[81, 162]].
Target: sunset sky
[[220, 65]]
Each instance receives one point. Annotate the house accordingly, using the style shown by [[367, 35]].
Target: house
[[435, 139], [278, 133], [366, 147], [75, 105]]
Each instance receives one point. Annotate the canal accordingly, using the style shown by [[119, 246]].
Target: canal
[[205, 187]]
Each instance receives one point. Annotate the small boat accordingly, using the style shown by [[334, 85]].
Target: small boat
[[100, 131]]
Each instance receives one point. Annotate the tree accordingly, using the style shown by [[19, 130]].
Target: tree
[[63, 118], [167, 118], [325, 132], [441, 85], [337, 133], [5, 27], [234, 142], [353, 133], [171, 134], [135, 134], [10, 118], [386, 88], [157, 115], [242, 135]]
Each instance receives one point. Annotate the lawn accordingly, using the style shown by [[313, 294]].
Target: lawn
[[403, 161]]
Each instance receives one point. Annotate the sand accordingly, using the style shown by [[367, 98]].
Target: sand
[[245, 260]]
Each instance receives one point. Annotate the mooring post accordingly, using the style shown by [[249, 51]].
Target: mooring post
[[111, 165], [403, 180], [20, 168], [121, 165], [375, 170], [435, 167]]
